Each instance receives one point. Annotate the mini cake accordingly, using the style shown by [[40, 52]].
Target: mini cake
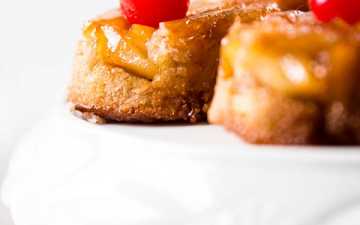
[[139, 73], [290, 79]]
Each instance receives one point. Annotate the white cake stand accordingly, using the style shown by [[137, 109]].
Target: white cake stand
[[70, 172]]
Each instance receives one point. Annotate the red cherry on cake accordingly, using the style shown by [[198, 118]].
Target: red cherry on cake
[[327, 10], [152, 12]]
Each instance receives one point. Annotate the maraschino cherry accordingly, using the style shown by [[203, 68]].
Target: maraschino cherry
[[152, 12], [327, 10]]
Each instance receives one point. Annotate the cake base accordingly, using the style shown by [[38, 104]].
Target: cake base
[[68, 171]]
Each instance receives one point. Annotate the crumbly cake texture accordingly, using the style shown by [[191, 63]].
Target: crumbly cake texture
[[186, 53], [290, 80]]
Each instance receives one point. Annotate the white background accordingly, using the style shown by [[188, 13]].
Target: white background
[[37, 41]]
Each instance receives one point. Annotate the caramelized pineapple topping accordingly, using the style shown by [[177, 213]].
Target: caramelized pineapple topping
[[121, 44], [299, 59]]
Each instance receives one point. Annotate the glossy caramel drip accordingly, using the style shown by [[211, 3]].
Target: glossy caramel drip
[[121, 44]]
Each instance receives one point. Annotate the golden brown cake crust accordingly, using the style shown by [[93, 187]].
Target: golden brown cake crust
[[264, 117], [114, 94]]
